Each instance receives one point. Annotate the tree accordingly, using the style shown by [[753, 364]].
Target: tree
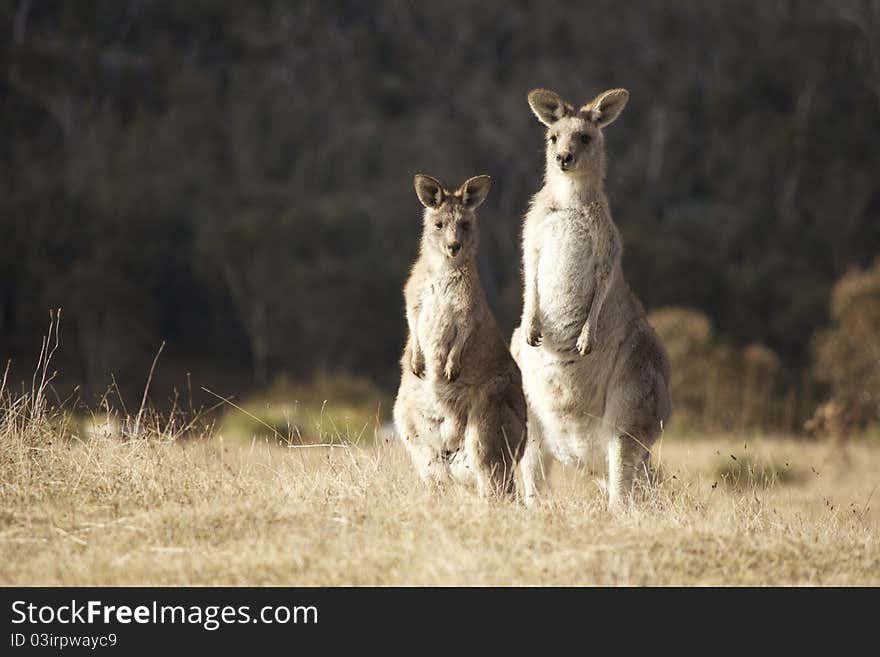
[[848, 352]]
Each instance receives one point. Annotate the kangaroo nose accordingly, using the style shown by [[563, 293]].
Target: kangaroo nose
[[454, 247], [564, 158]]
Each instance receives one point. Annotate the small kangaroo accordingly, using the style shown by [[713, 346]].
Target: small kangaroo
[[595, 373], [460, 409]]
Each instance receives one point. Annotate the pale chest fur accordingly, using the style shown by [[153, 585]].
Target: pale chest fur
[[566, 244], [446, 304]]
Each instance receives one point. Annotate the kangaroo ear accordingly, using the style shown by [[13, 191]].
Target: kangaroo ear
[[606, 107], [548, 106], [474, 191], [429, 190]]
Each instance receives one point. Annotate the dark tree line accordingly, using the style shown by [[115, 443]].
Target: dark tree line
[[235, 178]]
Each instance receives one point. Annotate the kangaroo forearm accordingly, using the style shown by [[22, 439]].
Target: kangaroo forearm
[[452, 362], [416, 347], [587, 338], [604, 277], [531, 301], [596, 306], [417, 358], [453, 358], [412, 315], [457, 346]]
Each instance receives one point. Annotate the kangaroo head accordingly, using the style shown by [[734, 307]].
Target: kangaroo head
[[450, 229], [575, 145]]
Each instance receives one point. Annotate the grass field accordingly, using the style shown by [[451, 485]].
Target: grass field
[[193, 501], [202, 508]]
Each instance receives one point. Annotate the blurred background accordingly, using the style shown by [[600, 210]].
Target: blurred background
[[235, 179]]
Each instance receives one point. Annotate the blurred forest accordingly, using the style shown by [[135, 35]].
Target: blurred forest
[[235, 179]]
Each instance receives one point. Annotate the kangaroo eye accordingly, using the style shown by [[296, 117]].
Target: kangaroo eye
[[438, 225], [552, 139], [466, 225], [586, 139]]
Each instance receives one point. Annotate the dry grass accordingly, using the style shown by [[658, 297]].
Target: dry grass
[[175, 507], [160, 511]]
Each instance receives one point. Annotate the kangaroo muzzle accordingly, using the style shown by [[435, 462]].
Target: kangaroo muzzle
[[453, 248], [564, 160]]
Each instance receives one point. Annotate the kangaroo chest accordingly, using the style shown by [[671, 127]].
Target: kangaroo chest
[[445, 307], [566, 247]]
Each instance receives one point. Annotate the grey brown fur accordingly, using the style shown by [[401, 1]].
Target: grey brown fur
[[594, 372], [460, 409]]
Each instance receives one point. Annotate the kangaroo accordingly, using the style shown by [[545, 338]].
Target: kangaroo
[[595, 374], [460, 409]]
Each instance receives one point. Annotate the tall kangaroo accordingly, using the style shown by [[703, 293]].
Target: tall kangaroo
[[595, 374], [460, 409]]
